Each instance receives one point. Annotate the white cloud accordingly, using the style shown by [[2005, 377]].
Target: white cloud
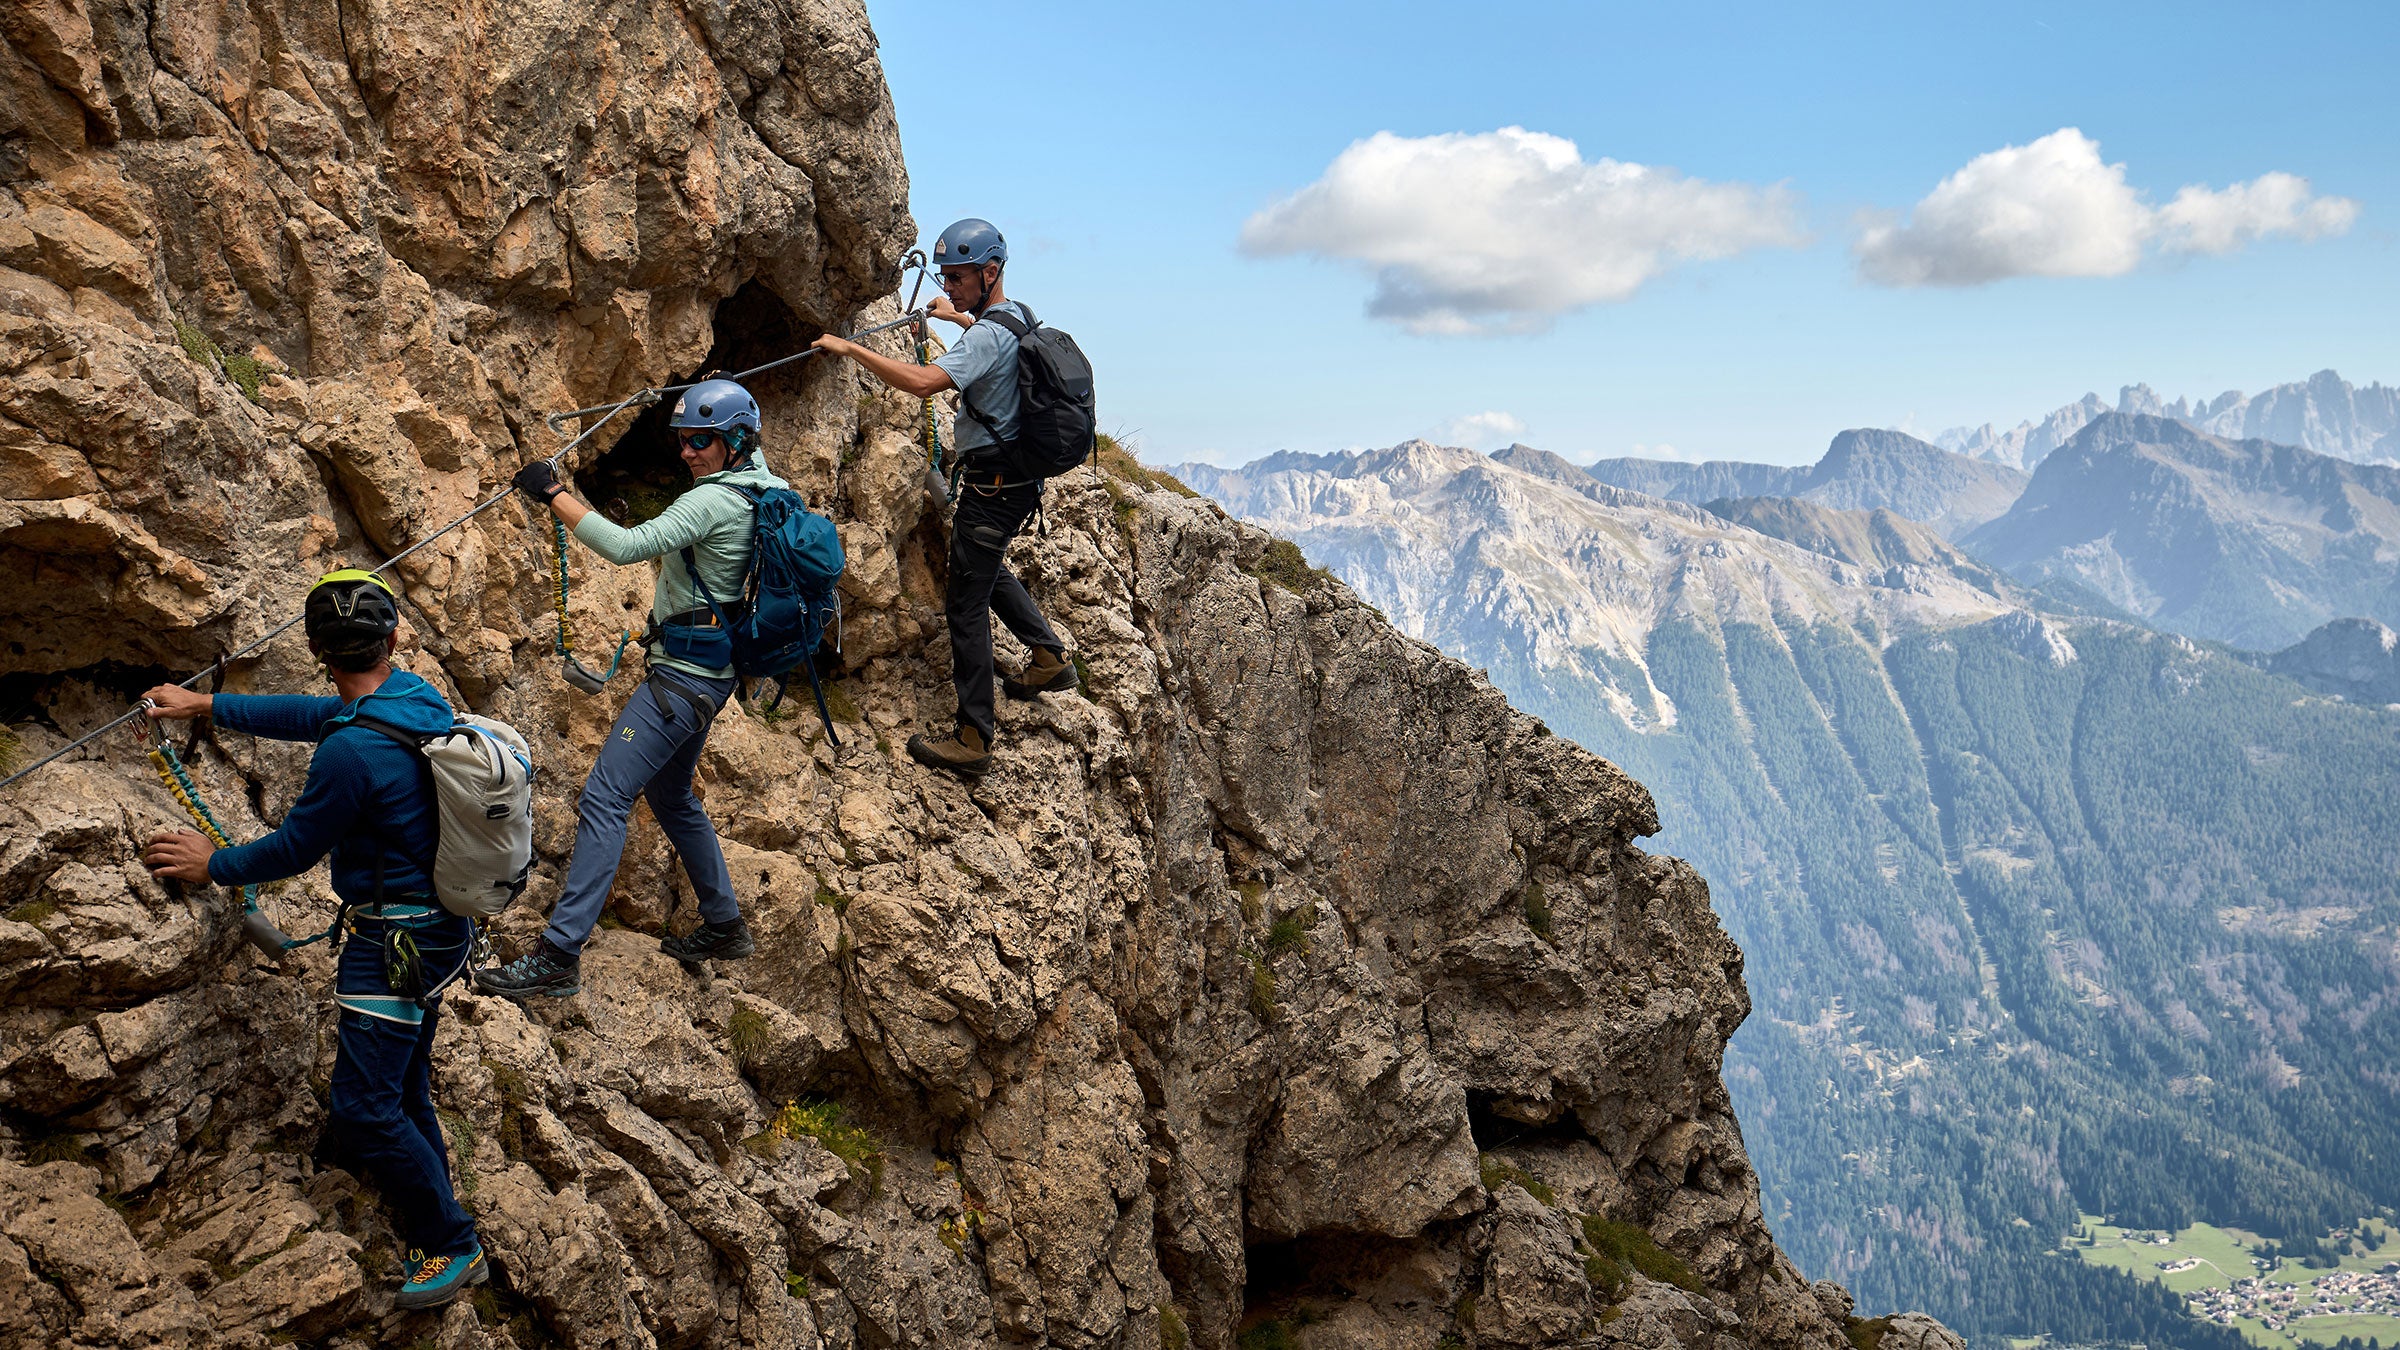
[[2054, 208], [2202, 221], [1504, 231], [1481, 431]]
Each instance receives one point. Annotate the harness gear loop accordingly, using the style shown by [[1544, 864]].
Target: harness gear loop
[[575, 672]]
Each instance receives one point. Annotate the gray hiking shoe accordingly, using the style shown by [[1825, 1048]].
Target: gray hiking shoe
[[544, 970], [1049, 673], [711, 942]]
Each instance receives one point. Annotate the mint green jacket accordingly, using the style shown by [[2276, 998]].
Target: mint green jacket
[[714, 521]]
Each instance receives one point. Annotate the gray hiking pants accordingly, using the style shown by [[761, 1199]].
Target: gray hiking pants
[[650, 753]]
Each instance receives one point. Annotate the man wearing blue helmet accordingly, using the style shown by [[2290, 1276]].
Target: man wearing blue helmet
[[657, 739], [982, 367]]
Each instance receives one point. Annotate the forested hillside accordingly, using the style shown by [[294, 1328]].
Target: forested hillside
[[2114, 932], [2040, 914]]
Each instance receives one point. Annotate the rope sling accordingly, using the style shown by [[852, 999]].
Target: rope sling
[[574, 671], [177, 777]]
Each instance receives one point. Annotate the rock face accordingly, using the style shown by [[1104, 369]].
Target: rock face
[[1272, 981]]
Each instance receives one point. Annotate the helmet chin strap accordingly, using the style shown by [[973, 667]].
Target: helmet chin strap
[[983, 292]]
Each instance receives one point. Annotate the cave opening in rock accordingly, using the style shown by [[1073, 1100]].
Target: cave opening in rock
[[28, 695], [1491, 1129], [1295, 1282], [642, 472]]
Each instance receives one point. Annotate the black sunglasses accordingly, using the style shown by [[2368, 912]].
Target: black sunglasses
[[700, 440]]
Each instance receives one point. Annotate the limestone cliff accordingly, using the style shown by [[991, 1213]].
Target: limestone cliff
[[1290, 982]]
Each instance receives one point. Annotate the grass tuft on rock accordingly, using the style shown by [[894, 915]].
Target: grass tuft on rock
[[1254, 900], [838, 701], [1285, 565], [1290, 933], [1262, 989], [1117, 460], [746, 1033], [1172, 1334], [1499, 1172], [64, 1146], [1537, 911], [831, 898], [826, 1122], [1619, 1247]]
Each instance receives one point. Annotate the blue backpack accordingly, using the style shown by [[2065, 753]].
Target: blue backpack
[[788, 597]]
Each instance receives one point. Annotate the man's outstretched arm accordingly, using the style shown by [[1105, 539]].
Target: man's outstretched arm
[[906, 376]]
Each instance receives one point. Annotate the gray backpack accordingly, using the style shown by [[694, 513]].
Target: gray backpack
[[482, 776]]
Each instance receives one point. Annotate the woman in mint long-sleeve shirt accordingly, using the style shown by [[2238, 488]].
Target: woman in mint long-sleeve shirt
[[655, 745]]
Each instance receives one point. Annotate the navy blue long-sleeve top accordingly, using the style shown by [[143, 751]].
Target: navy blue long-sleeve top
[[366, 795]]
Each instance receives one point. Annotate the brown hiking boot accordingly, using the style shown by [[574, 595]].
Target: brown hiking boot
[[1051, 672], [963, 752]]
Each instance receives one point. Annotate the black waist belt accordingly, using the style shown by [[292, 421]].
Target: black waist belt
[[988, 477], [690, 618]]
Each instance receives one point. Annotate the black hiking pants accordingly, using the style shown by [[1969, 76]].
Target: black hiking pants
[[981, 585]]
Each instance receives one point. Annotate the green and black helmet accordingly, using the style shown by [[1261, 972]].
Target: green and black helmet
[[349, 613]]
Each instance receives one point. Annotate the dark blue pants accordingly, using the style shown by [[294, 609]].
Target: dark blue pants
[[382, 1124], [981, 585], [650, 753]]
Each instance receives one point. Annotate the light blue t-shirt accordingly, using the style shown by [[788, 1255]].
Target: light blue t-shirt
[[983, 366]]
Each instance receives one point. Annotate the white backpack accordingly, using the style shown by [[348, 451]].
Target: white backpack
[[483, 783]]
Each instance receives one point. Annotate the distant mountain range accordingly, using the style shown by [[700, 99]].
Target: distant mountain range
[[2324, 413], [2247, 542], [2042, 910], [1861, 470]]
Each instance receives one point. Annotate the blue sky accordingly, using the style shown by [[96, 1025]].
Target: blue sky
[[1122, 148]]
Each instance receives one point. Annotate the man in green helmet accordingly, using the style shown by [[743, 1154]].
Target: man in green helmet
[[368, 804]]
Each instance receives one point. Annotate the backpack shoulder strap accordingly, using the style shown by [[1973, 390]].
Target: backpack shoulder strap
[[1016, 326], [415, 742], [411, 739]]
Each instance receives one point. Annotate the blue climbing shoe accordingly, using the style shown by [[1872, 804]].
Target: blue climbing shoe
[[544, 970], [438, 1279]]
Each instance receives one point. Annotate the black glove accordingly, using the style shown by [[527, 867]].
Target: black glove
[[539, 481]]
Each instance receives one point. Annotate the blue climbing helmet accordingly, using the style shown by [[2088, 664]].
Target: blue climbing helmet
[[721, 404], [969, 243]]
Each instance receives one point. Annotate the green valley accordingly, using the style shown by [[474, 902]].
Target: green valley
[[2347, 1287]]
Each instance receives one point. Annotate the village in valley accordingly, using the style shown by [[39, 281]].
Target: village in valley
[[2239, 1280]]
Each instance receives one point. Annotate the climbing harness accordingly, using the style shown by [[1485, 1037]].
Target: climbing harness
[[257, 928], [644, 397], [936, 481], [576, 672]]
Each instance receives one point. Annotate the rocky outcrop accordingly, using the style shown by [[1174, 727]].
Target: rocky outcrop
[[2357, 659], [1286, 976]]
